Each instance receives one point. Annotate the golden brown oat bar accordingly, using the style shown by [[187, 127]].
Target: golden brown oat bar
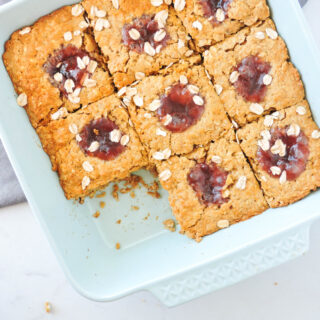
[[177, 110], [55, 62], [210, 190], [210, 21], [93, 147], [252, 73], [137, 37], [283, 149]]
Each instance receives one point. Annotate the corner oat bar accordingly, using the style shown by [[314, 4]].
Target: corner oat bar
[[55, 63]]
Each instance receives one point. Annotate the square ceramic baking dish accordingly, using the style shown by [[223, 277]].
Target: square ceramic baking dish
[[169, 265]]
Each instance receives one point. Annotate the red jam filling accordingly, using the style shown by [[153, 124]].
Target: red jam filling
[[250, 82], [210, 8], [178, 103], [64, 61], [99, 131], [147, 28], [295, 160], [207, 180]]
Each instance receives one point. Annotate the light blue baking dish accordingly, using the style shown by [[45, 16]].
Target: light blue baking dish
[[171, 266]]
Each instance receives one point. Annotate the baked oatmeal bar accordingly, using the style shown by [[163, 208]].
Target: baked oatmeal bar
[[177, 110], [138, 38], [55, 63], [283, 149], [211, 21], [92, 147], [210, 190], [253, 74]]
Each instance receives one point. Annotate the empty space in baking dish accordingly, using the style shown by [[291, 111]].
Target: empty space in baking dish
[[128, 220]]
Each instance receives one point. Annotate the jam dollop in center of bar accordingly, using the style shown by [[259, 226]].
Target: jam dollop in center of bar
[[250, 84], [208, 180], [99, 131], [210, 8], [295, 160], [179, 105], [147, 27], [64, 61]]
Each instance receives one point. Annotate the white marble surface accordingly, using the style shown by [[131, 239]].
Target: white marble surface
[[30, 275]]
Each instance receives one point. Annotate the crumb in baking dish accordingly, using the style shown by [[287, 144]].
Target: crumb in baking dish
[[135, 181], [115, 189], [96, 214], [101, 194], [170, 225], [147, 217]]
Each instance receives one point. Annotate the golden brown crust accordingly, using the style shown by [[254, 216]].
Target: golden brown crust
[[25, 55], [197, 220], [124, 63], [277, 194], [241, 13], [67, 157], [213, 124], [286, 88]]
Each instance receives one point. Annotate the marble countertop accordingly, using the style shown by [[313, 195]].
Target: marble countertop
[[30, 276]]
